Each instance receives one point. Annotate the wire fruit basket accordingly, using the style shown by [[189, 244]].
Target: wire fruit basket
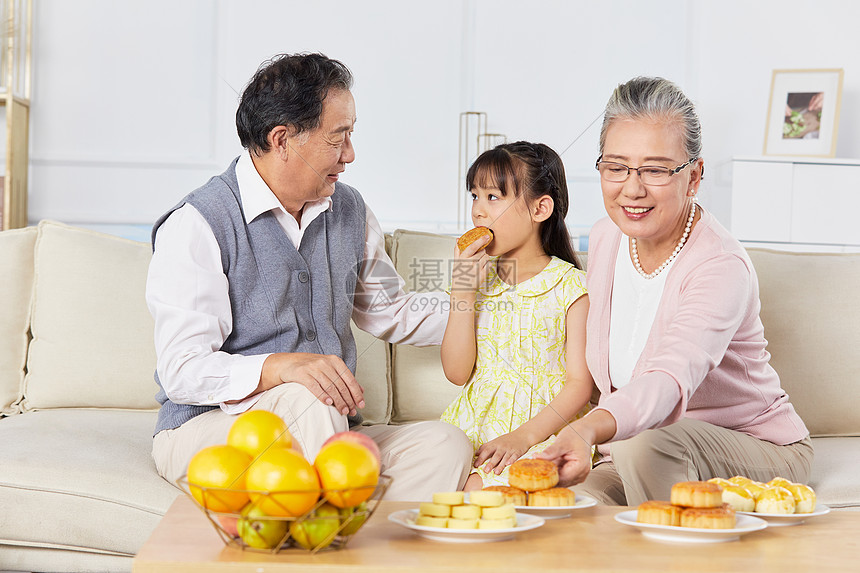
[[322, 527]]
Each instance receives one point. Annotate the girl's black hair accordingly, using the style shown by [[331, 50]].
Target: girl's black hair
[[537, 170]]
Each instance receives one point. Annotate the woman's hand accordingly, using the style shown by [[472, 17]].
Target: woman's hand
[[501, 452], [571, 451], [572, 454]]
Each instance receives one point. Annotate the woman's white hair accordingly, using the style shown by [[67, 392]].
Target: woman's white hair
[[655, 99]]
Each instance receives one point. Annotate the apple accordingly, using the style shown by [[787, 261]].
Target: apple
[[353, 518], [358, 438], [259, 531], [317, 530], [230, 525]]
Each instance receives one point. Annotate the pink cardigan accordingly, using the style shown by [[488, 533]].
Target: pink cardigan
[[705, 356]]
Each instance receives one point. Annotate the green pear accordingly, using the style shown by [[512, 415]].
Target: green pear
[[259, 531], [353, 518], [317, 530]]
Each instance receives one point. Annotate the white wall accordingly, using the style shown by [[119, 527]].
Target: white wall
[[133, 103]]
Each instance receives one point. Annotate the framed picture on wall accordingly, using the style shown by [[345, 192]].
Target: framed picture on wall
[[803, 113]]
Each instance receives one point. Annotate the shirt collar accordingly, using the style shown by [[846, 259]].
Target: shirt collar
[[256, 196]]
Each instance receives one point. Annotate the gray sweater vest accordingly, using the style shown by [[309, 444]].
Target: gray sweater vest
[[282, 299]]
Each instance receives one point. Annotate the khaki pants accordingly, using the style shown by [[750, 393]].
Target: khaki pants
[[646, 466], [422, 458]]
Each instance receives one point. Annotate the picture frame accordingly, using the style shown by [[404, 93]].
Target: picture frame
[[803, 112]]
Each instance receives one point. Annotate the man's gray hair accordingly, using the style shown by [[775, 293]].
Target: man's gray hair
[[655, 99]]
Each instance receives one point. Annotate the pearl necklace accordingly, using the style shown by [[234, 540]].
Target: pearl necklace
[[674, 254]]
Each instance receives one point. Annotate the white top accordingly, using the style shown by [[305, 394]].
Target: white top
[[187, 294], [634, 305]]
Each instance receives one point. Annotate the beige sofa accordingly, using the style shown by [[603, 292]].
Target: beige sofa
[[78, 489]]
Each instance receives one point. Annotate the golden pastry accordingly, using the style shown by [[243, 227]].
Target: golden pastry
[[553, 497], [473, 235], [738, 497], [779, 482], [804, 497], [659, 513], [722, 517], [722, 482], [754, 487], [428, 521], [512, 495], [466, 511], [697, 494], [775, 500], [501, 512], [454, 523], [434, 509], [505, 523], [532, 475], [486, 498]]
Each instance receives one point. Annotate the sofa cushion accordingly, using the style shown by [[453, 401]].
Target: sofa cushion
[[80, 479], [835, 471], [16, 291], [92, 332], [373, 372], [420, 389], [810, 320]]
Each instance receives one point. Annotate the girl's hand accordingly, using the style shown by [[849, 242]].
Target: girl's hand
[[501, 452], [469, 270], [572, 454]]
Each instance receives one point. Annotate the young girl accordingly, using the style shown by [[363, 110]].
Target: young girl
[[516, 332]]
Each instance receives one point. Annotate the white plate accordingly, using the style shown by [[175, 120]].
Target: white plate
[[406, 518], [781, 519], [558, 512], [745, 524]]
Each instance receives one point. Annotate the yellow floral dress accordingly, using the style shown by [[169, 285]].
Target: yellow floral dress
[[520, 362]]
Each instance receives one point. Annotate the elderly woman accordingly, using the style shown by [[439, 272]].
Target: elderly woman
[[675, 342]]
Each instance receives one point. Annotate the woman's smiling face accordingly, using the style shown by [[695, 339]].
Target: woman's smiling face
[[652, 214]]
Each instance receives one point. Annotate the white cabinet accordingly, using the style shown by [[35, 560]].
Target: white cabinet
[[796, 201]]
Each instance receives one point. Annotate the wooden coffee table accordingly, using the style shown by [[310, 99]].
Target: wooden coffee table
[[589, 540]]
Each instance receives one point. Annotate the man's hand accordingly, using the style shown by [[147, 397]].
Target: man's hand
[[501, 452], [326, 376]]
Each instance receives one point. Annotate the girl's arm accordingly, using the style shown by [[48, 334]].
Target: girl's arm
[[504, 450], [459, 345]]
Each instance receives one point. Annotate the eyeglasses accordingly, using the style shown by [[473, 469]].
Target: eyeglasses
[[648, 174]]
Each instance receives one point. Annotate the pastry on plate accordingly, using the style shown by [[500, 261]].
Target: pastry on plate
[[511, 494], [659, 513], [533, 475], [804, 497], [696, 494], [775, 500], [552, 497], [722, 517], [473, 235], [486, 498], [738, 497]]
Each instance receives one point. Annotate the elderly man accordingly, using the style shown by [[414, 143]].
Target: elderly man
[[256, 275]]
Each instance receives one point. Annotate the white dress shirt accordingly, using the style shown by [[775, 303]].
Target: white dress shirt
[[187, 294]]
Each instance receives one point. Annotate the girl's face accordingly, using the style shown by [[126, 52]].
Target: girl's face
[[508, 216], [651, 214]]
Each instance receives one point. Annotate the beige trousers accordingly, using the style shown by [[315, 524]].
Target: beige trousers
[[646, 466], [422, 458]]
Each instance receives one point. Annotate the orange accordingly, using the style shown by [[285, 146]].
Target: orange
[[344, 465], [219, 467], [283, 483], [257, 430]]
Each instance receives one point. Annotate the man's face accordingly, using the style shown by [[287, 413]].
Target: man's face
[[316, 158]]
